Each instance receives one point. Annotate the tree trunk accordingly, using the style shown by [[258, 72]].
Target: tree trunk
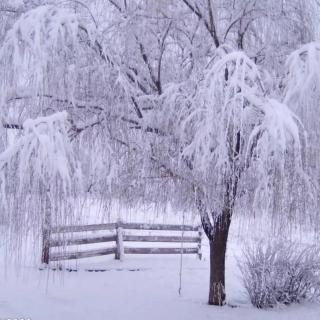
[[218, 246], [217, 233], [46, 230]]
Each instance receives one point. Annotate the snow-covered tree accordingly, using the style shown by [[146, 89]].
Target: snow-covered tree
[[166, 101]]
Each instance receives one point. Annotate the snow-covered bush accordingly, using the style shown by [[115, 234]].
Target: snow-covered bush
[[280, 274]]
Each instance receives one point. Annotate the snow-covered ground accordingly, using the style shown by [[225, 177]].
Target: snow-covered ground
[[140, 287]]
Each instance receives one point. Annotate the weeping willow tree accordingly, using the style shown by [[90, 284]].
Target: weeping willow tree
[[62, 114], [141, 128], [230, 132]]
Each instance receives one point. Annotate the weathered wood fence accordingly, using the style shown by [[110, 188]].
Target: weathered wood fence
[[52, 238]]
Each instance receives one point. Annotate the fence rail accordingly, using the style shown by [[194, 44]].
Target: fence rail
[[160, 250], [89, 227], [133, 238], [82, 254], [119, 238], [78, 241], [164, 227]]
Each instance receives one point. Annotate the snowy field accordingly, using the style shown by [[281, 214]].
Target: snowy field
[[140, 287]]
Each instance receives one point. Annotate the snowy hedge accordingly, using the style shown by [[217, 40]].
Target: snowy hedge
[[281, 274]]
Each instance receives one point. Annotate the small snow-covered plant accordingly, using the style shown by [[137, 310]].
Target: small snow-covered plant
[[280, 274]]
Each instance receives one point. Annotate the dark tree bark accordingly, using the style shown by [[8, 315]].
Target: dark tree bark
[[46, 229], [218, 247], [217, 233]]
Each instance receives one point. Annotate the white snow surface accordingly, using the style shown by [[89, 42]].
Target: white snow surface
[[141, 287]]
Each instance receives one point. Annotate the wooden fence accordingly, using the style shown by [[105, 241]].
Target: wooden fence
[[119, 237]]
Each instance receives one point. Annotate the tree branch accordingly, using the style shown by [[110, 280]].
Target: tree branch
[[195, 9]]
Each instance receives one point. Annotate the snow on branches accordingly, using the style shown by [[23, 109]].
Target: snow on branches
[[39, 166], [41, 53], [231, 127], [302, 94], [230, 112], [37, 33], [302, 83], [44, 151], [303, 78]]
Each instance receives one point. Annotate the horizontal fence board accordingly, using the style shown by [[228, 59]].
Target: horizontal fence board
[[81, 254], [89, 227], [134, 238], [160, 250], [164, 227], [69, 242]]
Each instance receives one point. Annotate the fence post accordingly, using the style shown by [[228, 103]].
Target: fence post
[[46, 230], [199, 243], [119, 254], [45, 246]]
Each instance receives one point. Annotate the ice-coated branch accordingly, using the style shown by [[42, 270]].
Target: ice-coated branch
[[38, 170], [303, 67], [44, 151]]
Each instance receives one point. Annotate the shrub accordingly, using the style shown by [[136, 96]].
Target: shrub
[[276, 273]]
